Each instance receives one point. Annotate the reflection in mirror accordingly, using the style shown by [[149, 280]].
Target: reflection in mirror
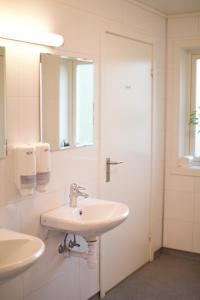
[[84, 94], [67, 99], [2, 103]]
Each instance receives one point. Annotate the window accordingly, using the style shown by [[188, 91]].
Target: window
[[194, 137], [183, 96], [189, 106]]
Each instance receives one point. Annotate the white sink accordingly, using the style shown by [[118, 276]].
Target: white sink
[[91, 218], [18, 252]]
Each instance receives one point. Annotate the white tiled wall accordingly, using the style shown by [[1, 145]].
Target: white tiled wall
[[81, 22], [182, 210]]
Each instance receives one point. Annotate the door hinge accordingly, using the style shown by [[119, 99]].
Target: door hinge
[[152, 73]]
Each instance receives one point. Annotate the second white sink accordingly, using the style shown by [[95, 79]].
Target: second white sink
[[18, 252], [91, 217]]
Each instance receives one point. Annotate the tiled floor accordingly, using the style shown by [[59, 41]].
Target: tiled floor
[[169, 277]]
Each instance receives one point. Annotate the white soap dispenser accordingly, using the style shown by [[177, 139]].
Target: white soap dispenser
[[42, 166], [25, 169]]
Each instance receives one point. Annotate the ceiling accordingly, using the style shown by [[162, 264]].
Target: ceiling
[[171, 7]]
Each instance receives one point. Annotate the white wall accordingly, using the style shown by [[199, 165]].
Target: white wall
[[182, 193], [81, 22]]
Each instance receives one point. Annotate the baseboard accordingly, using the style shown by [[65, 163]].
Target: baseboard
[[181, 253], [95, 297], [157, 253]]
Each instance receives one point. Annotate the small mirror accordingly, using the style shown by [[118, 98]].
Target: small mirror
[[67, 100], [2, 103]]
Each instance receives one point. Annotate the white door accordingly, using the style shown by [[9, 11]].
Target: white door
[[126, 136]]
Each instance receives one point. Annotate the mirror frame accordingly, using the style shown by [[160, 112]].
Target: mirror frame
[[72, 105]]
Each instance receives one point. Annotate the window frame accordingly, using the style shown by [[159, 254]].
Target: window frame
[[177, 114], [194, 55]]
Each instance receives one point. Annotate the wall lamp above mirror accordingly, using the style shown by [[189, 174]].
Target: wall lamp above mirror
[[30, 36], [66, 101]]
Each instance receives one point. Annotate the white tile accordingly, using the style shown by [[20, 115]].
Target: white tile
[[197, 185], [10, 217], [12, 70], [178, 235], [88, 164], [197, 208], [75, 3], [196, 238], [9, 191], [2, 181], [65, 169], [157, 203], [183, 27], [51, 266], [12, 289], [157, 233], [65, 21], [179, 183], [160, 55], [159, 26], [111, 9], [64, 287], [12, 120], [29, 119], [89, 281], [157, 173], [138, 18], [159, 90], [144, 21], [89, 33], [91, 187], [158, 146], [29, 71], [171, 57], [157, 216], [31, 209], [179, 205]]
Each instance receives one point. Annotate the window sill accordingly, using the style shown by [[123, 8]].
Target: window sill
[[187, 167], [187, 171]]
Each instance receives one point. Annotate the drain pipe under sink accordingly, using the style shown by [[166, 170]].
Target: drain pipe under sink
[[89, 255]]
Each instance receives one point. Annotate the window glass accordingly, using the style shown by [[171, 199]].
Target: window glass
[[197, 108]]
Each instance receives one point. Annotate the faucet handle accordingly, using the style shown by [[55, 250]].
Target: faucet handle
[[73, 186], [76, 187], [81, 188]]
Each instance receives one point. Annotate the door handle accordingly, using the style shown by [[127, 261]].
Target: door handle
[[108, 164], [115, 162]]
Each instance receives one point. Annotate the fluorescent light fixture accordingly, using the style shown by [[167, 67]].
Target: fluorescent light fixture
[[40, 38]]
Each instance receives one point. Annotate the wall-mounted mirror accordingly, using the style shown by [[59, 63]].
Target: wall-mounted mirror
[[2, 103], [67, 101]]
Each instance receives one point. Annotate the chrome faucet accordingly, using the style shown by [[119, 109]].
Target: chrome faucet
[[75, 192]]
